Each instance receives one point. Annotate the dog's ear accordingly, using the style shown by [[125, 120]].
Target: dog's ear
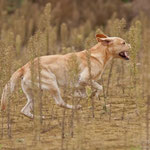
[[100, 36], [105, 41]]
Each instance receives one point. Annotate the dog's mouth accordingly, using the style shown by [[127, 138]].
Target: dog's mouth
[[124, 55]]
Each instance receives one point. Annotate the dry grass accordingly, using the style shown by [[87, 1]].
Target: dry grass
[[119, 120]]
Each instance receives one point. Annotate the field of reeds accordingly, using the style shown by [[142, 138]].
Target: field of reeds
[[119, 118]]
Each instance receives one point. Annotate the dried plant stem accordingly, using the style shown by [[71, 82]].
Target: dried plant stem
[[2, 125], [124, 108], [122, 77], [73, 112], [8, 114], [63, 129], [40, 91], [47, 41], [37, 99], [109, 77], [37, 122], [72, 122], [90, 78], [147, 122], [110, 110], [8, 120], [104, 93], [125, 136], [73, 68]]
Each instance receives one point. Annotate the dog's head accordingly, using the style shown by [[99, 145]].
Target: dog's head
[[117, 47]]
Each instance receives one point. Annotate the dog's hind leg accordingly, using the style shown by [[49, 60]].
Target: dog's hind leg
[[58, 99], [26, 110]]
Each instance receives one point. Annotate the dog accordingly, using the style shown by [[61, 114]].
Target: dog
[[54, 71]]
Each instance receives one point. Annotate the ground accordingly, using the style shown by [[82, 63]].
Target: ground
[[119, 126]]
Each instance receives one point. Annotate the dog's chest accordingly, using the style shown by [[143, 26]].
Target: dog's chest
[[98, 73]]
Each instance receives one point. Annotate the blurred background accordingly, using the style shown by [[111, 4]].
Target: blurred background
[[75, 12]]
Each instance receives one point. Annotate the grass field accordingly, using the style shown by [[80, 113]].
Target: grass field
[[118, 120]]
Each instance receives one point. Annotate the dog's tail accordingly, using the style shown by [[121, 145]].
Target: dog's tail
[[10, 86]]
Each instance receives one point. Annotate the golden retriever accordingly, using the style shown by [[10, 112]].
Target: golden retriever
[[54, 71]]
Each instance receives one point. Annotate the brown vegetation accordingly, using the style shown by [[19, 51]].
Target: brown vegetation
[[121, 115]]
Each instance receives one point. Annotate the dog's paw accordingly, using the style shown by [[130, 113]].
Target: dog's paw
[[29, 115], [97, 93], [101, 87], [39, 117]]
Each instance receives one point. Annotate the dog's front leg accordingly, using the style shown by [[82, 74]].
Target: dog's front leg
[[81, 84], [84, 80], [98, 87]]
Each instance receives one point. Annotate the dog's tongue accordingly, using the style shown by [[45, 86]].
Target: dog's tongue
[[126, 54]]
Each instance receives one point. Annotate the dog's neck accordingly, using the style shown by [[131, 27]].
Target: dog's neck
[[101, 53]]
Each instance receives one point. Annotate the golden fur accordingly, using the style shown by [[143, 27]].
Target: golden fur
[[54, 71]]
